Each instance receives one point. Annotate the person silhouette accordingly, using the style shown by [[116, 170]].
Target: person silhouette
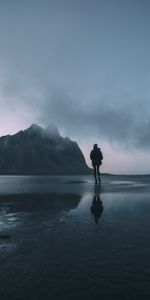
[[96, 157], [97, 206]]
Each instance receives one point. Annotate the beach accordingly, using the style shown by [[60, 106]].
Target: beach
[[64, 237]]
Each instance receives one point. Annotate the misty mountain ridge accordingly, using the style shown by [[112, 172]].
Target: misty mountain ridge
[[36, 150]]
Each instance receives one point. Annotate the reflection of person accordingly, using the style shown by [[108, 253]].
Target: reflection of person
[[97, 206], [96, 157]]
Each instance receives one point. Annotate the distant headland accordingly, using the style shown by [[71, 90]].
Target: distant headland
[[36, 150]]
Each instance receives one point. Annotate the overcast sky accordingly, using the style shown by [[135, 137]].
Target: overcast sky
[[83, 65]]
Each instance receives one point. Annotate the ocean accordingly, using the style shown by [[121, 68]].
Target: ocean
[[62, 237]]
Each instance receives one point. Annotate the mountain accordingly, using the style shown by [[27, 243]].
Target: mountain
[[40, 151]]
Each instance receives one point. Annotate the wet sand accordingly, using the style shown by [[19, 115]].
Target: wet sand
[[62, 237]]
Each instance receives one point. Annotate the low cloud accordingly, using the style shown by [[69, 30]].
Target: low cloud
[[124, 121]]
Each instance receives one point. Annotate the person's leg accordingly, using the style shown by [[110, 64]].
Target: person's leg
[[94, 167], [98, 173]]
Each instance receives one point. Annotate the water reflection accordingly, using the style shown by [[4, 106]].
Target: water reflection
[[50, 203], [97, 204]]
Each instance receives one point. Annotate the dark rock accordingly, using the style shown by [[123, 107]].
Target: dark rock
[[40, 151]]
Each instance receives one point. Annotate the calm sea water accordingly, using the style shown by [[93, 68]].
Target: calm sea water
[[63, 238]]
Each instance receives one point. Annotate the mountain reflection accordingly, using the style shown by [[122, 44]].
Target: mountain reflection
[[40, 202]]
